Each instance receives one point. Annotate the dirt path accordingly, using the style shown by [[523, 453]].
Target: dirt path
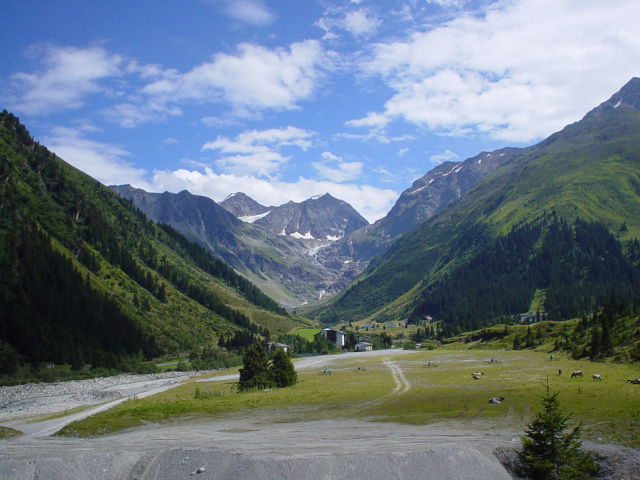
[[402, 384]]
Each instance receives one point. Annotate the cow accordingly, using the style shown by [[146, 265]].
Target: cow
[[596, 376], [635, 382], [496, 400], [559, 371], [576, 373], [476, 375]]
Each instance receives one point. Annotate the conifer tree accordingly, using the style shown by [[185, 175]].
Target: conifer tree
[[281, 371], [255, 370], [550, 454]]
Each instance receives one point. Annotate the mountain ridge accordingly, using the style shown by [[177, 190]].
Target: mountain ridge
[[588, 170]]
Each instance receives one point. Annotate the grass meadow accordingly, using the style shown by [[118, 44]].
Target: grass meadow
[[443, 392]]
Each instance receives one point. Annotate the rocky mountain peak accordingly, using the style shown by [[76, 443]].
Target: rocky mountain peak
[[628, 96], [242, 205]]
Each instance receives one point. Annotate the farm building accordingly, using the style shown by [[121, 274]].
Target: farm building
[[275, 345], [363, 347], [337, 337]]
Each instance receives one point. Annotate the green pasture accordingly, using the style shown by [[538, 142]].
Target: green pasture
[[443, 392], [306, 333]]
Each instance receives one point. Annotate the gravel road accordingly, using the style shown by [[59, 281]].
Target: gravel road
[[253, 446]]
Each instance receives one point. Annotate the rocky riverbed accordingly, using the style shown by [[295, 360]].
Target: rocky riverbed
[[33, 399]]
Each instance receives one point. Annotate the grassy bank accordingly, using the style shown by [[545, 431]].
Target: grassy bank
[[609, 409]]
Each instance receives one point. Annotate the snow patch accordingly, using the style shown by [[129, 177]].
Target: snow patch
[[479, 161], [618, 104], [332, 238], [316, 197], [298, 235], [313, 251], [254, 218], [502, 154], [456, 170]]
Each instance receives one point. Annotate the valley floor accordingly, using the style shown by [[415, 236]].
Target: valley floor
[[263, 444]]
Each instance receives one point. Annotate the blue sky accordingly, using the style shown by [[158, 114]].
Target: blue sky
[[284, 100]]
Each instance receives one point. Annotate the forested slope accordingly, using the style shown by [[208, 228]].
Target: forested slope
[[84, 273]]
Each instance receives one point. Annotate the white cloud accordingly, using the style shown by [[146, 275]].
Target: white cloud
[[335, 169], [253, 12], [252, 81], [523, 70], [67, 76], [360, 23], [103, 161], [449, 3], [447, 156], [256, 152], [402, 151], [371, 202], [129, 114], [256, 78]]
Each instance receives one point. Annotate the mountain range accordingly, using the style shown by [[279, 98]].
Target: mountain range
[[284, 264], [302, 252]]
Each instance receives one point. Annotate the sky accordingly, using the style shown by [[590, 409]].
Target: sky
[[284, 100]]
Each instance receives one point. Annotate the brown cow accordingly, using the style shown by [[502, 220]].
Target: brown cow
[[576, 373]]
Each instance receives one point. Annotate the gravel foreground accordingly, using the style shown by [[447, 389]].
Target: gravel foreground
[[252, 447]]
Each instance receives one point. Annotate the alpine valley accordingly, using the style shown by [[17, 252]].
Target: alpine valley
[[94, 272]]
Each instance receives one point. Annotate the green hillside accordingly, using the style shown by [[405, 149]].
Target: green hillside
[[83, 273], [590, 171]]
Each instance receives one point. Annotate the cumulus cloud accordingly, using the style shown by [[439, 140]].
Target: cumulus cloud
[[371, 202], [335, 169], [66, 77], [103, 161], [253, 80], [257, 152], [521, 71]]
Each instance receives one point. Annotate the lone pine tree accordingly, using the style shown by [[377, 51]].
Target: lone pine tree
[[255, 370], [550, 454]]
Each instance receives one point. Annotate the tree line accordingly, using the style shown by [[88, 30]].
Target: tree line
[[577, 265]]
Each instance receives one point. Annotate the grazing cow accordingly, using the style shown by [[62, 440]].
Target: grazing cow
[[596, 376], [559, 371], [576, 373], [496, 400], [476, 375], [635, 382]]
